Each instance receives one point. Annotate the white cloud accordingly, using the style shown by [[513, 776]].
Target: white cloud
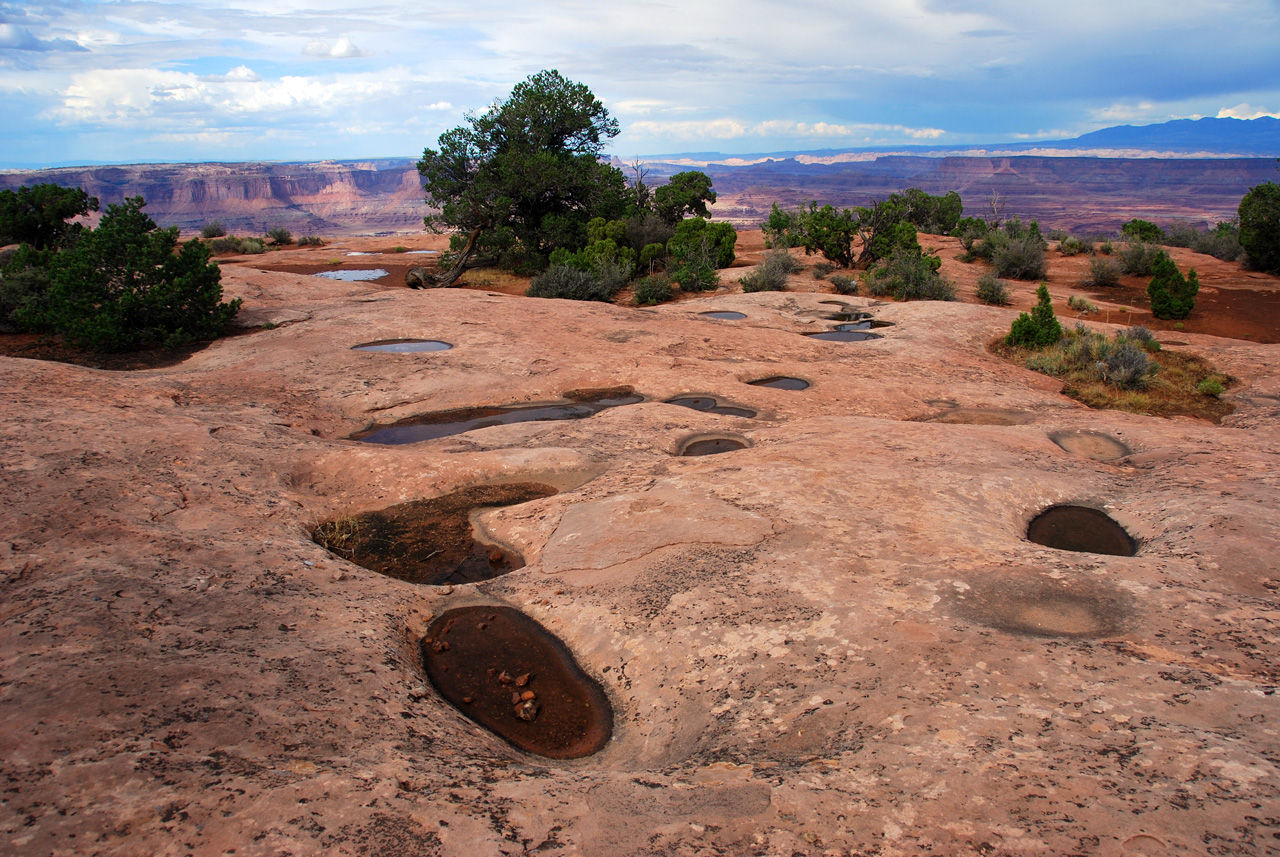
[[776, 128], [344, 48], [17, 38], [239, 74], [1122, 112], [1247, 111]]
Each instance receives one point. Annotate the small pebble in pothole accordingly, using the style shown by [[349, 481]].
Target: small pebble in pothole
[[512, 676], [429, 541], [1080, 528]]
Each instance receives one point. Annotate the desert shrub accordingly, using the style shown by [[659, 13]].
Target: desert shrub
[[1211, 387], [1173, 296], [122, 287], [1021, 258], [1139, 258], [993, 290], [822, 269], [569, 283], [830, 232], [1057, 235], [41, 215], [1073, 246], [1106, 248], [1040, 328], [1101, 274], [718, 239], [654, 289], [23, 285], [784, 228], [1127, 366], [224, 245], [212, 229], [647, 228], [310, 241], [652, 255], [1221, 242], [1142, 230], [1260, 226], [612, 273], [692, 266], [771, 274], [1082, 305], [280, 236], [1085, 355], [909, 276], [844, 285], [252, 246], [1141, 333], [969, 230]]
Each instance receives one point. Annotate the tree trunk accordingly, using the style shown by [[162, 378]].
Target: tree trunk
[[443, 281]]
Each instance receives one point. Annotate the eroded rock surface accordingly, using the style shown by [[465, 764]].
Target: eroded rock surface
[[835, 640]]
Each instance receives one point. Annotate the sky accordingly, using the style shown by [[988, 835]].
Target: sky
[[137, 81]]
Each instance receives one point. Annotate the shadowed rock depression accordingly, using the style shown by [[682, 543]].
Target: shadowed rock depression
[[429, 541], [1080, 528], [711, 405], [515, 678], [781, 382]]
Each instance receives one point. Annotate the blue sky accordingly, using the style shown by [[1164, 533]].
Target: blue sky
[[200, 80]]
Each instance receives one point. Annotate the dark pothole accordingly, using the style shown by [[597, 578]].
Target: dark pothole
[[1080, 528], [844, 335], [781, 382], [1090, 444], [429, 541], [711, 405], [403, 346], [712, 445], [1034, 606], [585, 403], [515, 678], [726, 315], [862, 324]]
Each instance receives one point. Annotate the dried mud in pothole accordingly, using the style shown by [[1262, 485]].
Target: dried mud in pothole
[[429, 541], [1033, 605]]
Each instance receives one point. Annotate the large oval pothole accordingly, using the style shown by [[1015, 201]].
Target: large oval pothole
[[1091, 444], [403, 346], [1080, 528], [429, 541], [711, 405], [712, 445], [512, 676], [781, 382]]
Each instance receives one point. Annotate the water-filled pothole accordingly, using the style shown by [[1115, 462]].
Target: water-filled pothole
[[448, 423], [725, 314], [711, 405], [1034, 606], [1080, 528], [429, 541], [863, 324], [515, 678], [353, 276], [712, 445], [1090, 444], [403, 346], [781, 382], [844, 335]]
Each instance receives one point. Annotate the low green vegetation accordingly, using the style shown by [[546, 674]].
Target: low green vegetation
[[993, 290], [280, 236], [1173, 296], [1101, 274], [41, 216], [213, 229], [310, 241], [844, 285], [1260, 226], [1037, 329], [1083, 306], [909, 275], [653, 289], [1138, 258], [771, 274], [1142, 230]]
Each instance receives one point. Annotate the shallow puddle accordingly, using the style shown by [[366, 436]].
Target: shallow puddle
[[403, 346], [353, 276], [712, 446], [844, 335], [726, 315], [429, 541], [711, 406], [1080, 528], [512, 676], [449, 423], [781, 382], [1090, 444], [863, 324]]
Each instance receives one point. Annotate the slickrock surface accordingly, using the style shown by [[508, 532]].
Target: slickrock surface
[[834, 641]]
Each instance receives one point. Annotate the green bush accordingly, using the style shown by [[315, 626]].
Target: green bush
[[909, 276], [771, 274], [212, 229], [969, 230], [844, 285], [38, 215], [122, 287], [993, 290], [1082, 354], [645, 229], [693, 266], [1101, 274], [1040, 329], [23, 284], [718, 238], [822, 269], [1139, 258], [1260, 226], [1082, 305], [1173, 296], [784, 228], [1142, 230], [652, 255], [1211, 387], [654, 289], [1073, 246], [1020, 258], [1221, 242], [310, 241], [570, 283], [280, 236], [1106, 248]]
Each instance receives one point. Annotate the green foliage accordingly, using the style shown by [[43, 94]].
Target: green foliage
[[310, 241], [844, 285], [570, 283], [280, 236], [1221, 242], [652, 255], [770, 275], [1040, 329], [693, 266], [646, 228], [1173, 296], [1260, 226], [23, 284], [1101, 274], [685, 194], [719, 238], [525, 176], [1139, 258], [993, 290], [599, 229], [936, 215], [969, 230], [213, 229], [38, 215], [243, 246], [121, 287], [827, 231], [909, 275], [784, 228], [822, 269], [1142, 230], [1073, 246], [1081, 305], [1211, 387], [1021, 258], [1085, 355], [654, 289], [1105, 248]]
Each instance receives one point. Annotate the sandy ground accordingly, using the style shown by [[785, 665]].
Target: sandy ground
[[834, 641]]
